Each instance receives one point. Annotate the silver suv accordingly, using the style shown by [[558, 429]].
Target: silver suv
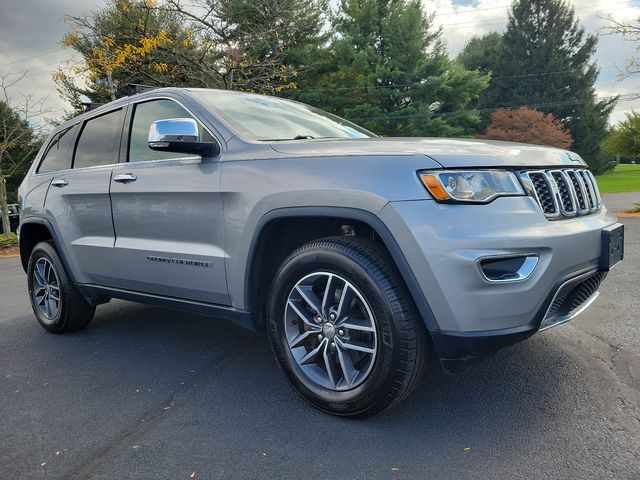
[[358, 255]]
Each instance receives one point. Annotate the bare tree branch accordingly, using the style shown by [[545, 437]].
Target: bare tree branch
[[20, 134]]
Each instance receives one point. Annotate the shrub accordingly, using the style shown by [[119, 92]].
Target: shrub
[[9, 240]]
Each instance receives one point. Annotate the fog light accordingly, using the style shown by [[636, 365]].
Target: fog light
[[508, 268]]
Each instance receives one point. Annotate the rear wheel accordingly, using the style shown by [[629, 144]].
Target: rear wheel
[[57, 304], [343, 328]]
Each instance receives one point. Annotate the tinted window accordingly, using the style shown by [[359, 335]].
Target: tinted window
[[99, 141], [59, 152], [144, 115], [269, 118]]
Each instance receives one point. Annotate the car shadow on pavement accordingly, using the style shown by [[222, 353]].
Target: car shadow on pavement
[[183, 386], [529, 374]]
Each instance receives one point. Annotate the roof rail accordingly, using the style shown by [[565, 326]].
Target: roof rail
[[135, 88], [90, 105]]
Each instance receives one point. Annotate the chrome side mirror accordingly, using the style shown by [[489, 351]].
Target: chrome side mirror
[[179, 135]]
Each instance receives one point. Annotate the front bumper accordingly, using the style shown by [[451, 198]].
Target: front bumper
[[475, 317]]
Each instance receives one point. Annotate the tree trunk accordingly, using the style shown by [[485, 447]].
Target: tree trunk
[[111, 87], [6, 226]]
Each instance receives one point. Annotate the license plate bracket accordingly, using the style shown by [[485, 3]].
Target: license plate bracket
[[612, 246]]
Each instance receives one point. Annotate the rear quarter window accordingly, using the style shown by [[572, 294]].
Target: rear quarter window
[[59, 152]]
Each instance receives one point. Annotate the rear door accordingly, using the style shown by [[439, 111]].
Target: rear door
[[78, 204], [167, 214]]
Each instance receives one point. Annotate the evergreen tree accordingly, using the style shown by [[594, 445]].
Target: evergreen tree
[[546, 63], [482, 53], [388, 70]]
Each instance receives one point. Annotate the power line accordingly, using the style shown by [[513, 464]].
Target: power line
[[31, 57], [35, 71], [443, 80], [621, 98]]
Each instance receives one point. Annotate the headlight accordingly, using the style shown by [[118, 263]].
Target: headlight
[[475, 186]]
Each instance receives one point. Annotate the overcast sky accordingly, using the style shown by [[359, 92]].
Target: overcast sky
[[30, 32]]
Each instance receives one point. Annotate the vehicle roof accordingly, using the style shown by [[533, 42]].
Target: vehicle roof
[[142, 95], [117, 103]]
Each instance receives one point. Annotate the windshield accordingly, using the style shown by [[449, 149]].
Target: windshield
[[273, 119]]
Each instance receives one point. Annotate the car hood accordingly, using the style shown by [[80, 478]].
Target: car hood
[[450, 153]]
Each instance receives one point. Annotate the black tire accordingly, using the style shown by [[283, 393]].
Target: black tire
[[402, 341], [73, 311]]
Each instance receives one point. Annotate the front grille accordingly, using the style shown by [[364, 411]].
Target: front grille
[[563, 193], [543, 192], [568, 302], [567, 201], [573, 176]]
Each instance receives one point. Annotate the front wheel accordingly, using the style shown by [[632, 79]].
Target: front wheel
[[57, 304], [343, 328]]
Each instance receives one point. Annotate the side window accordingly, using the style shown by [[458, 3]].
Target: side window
[[99, 141], [143, 116], [59, 152]]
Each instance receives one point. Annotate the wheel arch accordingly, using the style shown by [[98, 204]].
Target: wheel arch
[[269, 233], [33, 231]]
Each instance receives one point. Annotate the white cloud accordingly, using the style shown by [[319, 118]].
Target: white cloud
[[461, 22], [30, 35], [30, 28]]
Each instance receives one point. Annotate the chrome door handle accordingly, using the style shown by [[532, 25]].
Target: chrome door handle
[[60, 182], [125, 177]]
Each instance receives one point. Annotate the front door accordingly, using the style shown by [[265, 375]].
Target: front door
[[167, 216]]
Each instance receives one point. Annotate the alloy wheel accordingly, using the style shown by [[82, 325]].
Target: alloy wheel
[[330, 331], [46, 288]]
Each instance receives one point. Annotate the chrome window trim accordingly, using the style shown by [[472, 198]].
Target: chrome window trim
[[120, 106], [134, 102]]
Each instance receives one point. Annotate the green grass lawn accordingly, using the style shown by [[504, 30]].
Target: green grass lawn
[[624, 178]]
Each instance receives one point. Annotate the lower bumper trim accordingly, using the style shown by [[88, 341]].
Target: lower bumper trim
[[457, 350], [565, 318]]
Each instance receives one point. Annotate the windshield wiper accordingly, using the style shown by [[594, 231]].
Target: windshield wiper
[[297, 137]]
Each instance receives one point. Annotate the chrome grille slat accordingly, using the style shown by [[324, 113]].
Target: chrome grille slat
[[578, 186], [589, 188], [543, 192], [563, 193], [567, 199], [595, 186]]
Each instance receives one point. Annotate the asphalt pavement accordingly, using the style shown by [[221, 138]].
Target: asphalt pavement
[[151, 393], [621, 202]]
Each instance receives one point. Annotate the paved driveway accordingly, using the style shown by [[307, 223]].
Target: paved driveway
[[621, 202], [150, 393]]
